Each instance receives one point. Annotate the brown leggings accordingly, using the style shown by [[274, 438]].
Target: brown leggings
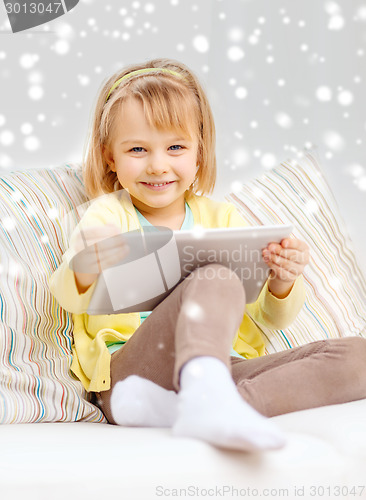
[[200, 318]]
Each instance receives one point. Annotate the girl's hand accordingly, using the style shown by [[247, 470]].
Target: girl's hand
[[287, 261], [97, 248]]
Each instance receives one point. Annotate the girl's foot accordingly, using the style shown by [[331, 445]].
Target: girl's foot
[[138, 402], [210, 408]]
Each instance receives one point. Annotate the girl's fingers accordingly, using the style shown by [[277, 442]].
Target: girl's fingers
[[295, 244], [98, 257], [92, 235], [288, 259], [293, 250], [290, 255], [295, 256], [88, 236], [284, 263], [283, 274], [289, 244]]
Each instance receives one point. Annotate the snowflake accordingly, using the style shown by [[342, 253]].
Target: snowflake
[[235, 53], [61, 47], [35, 92], [31, 143], [241, 92], [27, 61], [336, 22], [193, 311], [334, 140], [283, 120], [312, 206], [345, 98], [201, 43], [324, 93], [6, 138]]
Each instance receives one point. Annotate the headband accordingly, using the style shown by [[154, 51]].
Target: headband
[[142, 72]]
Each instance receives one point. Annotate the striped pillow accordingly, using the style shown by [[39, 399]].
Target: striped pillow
[[297, 192], [36, 384]]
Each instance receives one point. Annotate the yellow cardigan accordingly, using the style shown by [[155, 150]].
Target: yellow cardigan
[[91, 358]]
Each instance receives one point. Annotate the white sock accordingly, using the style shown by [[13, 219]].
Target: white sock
[[210, 408], [138, 402]]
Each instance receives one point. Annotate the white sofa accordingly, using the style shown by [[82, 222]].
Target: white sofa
[[55, 444], [325, 458]]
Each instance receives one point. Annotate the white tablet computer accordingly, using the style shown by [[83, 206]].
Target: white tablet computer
[[160, 259]]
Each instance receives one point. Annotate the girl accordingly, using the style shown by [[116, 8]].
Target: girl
[[195, 363]]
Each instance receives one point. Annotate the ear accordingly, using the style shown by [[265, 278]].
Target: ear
[[108, 156]]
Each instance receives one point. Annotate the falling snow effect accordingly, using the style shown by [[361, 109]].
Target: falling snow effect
[[240, 157], [235, 34], [31, 143], [28, 60], [193, 311], [284, 120], [345, 98], [312, 206], [241, 92], [334, 140], [324, 93], [6, 138], [268, 160], [235, 53], [35, 92], [201, 43], [8, 224]]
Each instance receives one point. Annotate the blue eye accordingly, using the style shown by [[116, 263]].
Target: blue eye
[[139, 149]]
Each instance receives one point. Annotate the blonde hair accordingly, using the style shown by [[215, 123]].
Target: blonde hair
[[168, 102]]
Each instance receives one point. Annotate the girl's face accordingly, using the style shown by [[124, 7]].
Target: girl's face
[[156, 167]]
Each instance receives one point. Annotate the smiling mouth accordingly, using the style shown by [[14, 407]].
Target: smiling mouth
[[157, 184]]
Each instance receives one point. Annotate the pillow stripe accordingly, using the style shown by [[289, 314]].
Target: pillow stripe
[[36, 384]]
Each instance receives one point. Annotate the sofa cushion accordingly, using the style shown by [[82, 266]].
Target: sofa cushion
[[36, 384], [297, 192]]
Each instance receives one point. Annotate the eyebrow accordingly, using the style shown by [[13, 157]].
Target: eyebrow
[[174, 139]]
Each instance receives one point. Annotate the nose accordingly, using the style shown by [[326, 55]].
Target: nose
[[158, 163]]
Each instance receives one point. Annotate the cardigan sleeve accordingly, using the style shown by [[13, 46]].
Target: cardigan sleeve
[[275, 313], [63, 287]]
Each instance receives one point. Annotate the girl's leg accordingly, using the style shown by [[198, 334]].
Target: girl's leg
[[199, 318], [317, 374], [184, 345]]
